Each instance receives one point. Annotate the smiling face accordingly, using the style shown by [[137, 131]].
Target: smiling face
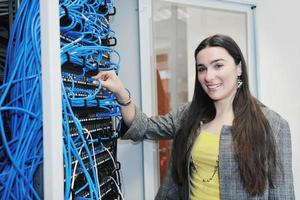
[[217, 73]]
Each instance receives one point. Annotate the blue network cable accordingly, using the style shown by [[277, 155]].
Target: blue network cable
[[67, 111], [85, 31], [21, 150], [20, 111]]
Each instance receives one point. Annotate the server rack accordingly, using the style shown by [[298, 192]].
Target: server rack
[[99, 117]]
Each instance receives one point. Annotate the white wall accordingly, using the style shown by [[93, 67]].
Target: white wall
[[278, 34]]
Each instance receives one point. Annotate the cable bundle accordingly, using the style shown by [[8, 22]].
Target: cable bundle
[[89, 135], [85, 34], [91, 114], [20, 107]]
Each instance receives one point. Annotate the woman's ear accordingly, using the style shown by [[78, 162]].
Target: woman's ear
[[239, 69]]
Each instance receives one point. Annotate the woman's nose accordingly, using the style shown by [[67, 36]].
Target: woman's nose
[[210, 75]]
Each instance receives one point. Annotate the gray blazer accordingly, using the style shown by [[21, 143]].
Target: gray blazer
[[231, 187]]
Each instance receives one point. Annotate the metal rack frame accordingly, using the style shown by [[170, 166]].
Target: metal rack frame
[[51, 96]]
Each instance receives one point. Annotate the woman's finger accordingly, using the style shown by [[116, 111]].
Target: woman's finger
[[103, 75]]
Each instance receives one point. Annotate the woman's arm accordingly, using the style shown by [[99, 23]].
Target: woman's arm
[[156, 127], [111, 82], [139, 126]]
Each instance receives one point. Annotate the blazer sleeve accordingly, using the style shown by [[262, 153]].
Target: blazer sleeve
[[283, 186], [155, 127]]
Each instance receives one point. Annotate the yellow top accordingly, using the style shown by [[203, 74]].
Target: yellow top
[[204, 182]]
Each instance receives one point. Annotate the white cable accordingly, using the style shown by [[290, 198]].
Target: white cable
[[118, 188], [95, 161], [89, 135], [106, 149], [76, 163], [112, 158], [75, 168], [121, 178]]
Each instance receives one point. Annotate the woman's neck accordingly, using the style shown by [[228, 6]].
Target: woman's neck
[[224, 116], [224, 110]]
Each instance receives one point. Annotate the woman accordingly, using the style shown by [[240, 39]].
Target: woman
[[227, 145]]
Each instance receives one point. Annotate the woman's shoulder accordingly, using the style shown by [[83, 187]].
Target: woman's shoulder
[[181, 110], [277, 123], [180, 113], [184, 106], [272, 116]]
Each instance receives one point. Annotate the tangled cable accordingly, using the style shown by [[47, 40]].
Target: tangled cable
[[85, 48], [85, 39], [21, 150]]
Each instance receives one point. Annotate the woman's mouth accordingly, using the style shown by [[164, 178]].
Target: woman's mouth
[[212, 87]]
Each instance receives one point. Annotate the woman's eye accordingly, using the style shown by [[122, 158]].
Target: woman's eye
[[218, 66], [201, 69]]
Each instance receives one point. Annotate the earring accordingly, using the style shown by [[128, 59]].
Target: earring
[[239, 82]]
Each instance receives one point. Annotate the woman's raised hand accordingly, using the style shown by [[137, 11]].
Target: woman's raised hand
[[110, 81]]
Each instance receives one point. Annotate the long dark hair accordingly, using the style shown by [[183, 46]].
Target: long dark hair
[[254, 144]]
